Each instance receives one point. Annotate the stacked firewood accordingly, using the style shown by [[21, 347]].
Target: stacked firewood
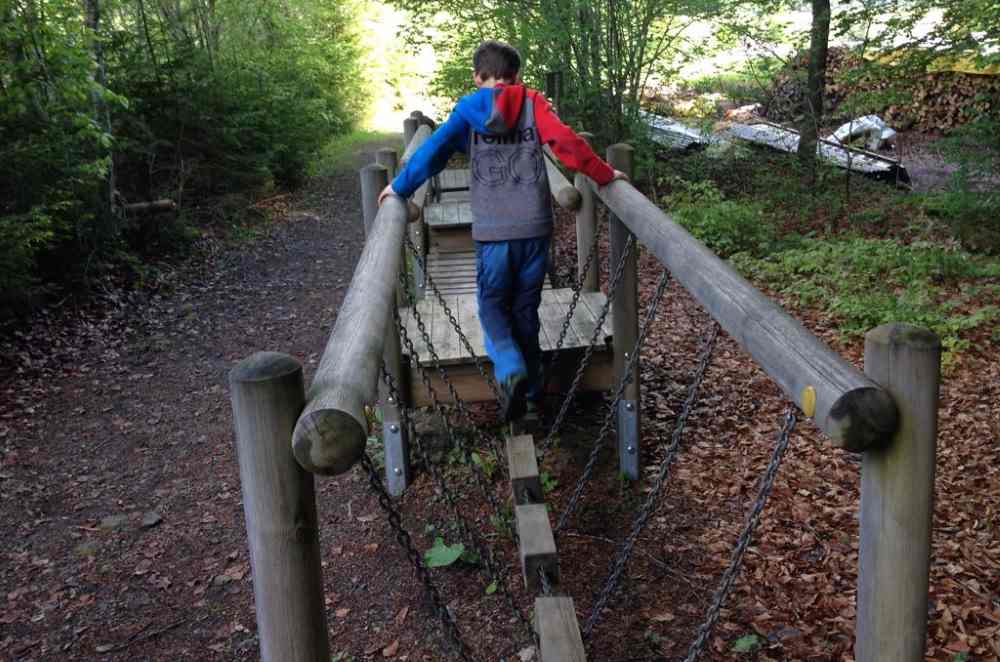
[[925, 101]]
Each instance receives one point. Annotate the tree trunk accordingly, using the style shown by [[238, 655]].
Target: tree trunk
[[813, 104], [102, 115]]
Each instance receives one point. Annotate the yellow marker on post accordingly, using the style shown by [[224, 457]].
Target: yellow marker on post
[[808, 401]]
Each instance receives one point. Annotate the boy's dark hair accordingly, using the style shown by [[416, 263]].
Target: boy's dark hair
[[495, 59]]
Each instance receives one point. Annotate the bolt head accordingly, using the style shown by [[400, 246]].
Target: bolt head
[[397, 471], [394, 428], [631, 450], [629, 406]]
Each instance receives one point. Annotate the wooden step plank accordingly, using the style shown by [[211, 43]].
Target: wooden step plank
[[552, 314], [525, 484], [449, 214], [558, 630], [591, 304], [470, 324], [537, 546], [454, 178]]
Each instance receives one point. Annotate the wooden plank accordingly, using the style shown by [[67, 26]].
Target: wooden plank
[[525, 484], [558, 630], [450, 241], [537, 546], [449, 214], [552, 313], [445, 336], [851, 409], [471, 325], [594, 303]]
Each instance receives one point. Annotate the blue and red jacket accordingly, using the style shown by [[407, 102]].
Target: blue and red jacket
[[488, 126]]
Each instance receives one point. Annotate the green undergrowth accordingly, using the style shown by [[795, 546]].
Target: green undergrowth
[[341, 153], [859, 252]]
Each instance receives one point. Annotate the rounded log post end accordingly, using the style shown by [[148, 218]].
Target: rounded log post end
[[328, 441], [622, 154], [264, 366], [900, 333], [569, 198], [410, 125], [413, 212], [862, 419]]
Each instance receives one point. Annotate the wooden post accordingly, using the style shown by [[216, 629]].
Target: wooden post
[[280, 506], [525, 483], [410, 125], [395, 436], [374, 178], [586, 230], [897, 498], [388, 158], [625, 323]]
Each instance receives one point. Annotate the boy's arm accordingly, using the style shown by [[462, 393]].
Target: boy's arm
[[571, 149], [431, 157]]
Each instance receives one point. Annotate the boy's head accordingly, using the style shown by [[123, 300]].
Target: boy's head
[[495, 60]]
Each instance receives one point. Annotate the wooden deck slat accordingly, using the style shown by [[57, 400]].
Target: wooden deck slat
[[448, 214], [552, 312]]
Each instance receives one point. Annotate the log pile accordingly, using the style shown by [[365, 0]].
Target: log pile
[[936, 101]]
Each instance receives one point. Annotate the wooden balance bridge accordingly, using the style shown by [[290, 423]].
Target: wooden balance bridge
[[888, 412]]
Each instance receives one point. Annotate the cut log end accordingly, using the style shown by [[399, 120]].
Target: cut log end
[[862, 419], [264, 366], [328, 441], [568, 198]]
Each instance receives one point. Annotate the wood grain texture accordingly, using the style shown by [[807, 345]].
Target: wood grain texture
[[279, 503], [897, 498], [558, 630], [850, 408], [561, 188], [537, 546], [525, 484]]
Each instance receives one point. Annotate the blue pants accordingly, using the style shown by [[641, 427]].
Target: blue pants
[[509, 277]]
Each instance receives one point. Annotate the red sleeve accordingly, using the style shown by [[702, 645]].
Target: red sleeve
[[571, 149]]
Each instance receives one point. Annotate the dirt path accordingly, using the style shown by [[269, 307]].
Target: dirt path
[[123, 527]]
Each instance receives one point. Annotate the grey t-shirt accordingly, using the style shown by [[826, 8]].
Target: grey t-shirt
[[509, 187]]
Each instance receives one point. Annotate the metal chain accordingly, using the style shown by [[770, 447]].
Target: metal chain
[[582, 367], [485, 553], [493, 442], [454, 322], [643, 514], [626, 378], [543, 579], [577, 291], [448, 624], [736, 559]]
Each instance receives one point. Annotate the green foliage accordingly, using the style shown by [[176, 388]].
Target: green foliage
[[725, 226], [441, 554], [868, 282], [106, 102], [746, 644], [549, 482]]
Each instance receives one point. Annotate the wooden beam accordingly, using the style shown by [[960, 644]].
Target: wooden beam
[[332, 431], [851, 409], [558, 630], [562, 189], [279, 502], [897, 499], [537, 545], [421, 135], [525, 484]]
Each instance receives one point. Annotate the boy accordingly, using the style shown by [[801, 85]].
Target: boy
[[502, 127]]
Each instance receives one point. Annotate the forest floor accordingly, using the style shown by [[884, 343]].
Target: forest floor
[[121, 512]]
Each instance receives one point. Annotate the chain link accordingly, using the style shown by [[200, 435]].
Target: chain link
[[644, 512], [736, 558], [468, 533], [609, 414], [577, 291], [493, 442], [543, 579], [449, 626], [454, 322], [582, 367]]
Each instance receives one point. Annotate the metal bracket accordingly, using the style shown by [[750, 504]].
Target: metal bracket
[[396, 442], [628, 438]]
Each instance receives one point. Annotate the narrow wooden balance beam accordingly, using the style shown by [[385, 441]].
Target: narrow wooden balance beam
[[555, 616]]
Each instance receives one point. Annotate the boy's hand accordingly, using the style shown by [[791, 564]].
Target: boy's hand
[[387, 191], [620, 175]]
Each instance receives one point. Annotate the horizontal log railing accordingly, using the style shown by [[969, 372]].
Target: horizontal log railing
[[855, 412], [560, 186]]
